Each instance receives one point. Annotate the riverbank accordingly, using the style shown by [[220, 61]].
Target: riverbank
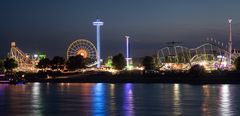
[[166, 77]]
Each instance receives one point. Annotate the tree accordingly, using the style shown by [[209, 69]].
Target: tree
[[43, 64], [237, 64], [76, 62], [197, 70], [149, 63], [10, 64], [57, 63], [1, 66], [119, 61], [89, 60]]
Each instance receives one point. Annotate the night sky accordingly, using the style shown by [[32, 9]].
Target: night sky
[[51, 25]]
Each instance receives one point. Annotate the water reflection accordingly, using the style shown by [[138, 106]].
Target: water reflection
[[2, 89], [118, 99], [112, 98], [176, 99], [205, 104], [112, 90], [36, 99], [225, 100], [99, 99], [128, 100], [86, 89], [3, 93], [206, 91]]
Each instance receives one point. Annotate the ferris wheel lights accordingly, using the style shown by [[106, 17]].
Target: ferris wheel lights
[[84, 48]]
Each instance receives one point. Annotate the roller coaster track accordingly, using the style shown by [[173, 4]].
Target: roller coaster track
[[180, 54], [20, 57]]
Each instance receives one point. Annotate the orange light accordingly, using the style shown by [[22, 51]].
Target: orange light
[[83, 53]]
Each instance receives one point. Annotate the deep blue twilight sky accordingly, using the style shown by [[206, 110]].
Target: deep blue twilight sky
[[51, 25]]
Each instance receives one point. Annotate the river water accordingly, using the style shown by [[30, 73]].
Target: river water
[[100, 99]]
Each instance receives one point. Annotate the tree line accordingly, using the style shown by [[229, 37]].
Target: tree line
[[58, 63], [78, 62], [8, 64]]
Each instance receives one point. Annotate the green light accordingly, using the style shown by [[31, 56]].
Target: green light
[[109, 62], [41, 55]]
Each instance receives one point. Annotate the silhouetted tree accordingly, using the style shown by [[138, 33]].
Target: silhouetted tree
[[1, 66], [149, 63], [57, 63], [89, 60], [43, 64], [10, 64], [76, 62], [237, 64], [119, 61], [197, 70]]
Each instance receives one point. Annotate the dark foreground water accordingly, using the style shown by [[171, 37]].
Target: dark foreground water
[[118, 99]]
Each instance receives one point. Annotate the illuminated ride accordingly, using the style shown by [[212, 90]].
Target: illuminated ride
[[25, 62], [212, 55], [98, 23], [84, 48]]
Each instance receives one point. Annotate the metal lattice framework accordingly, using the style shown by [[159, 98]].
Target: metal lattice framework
[[23, 61], [82, 47], [210, 52]]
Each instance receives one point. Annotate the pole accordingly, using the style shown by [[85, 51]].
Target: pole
[[98, 23], [230, 42], [127, 50], [98, 47]]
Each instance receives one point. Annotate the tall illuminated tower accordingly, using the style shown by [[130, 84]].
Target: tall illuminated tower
[[127, 50], [98, 24], [128, 58], [230, 42]]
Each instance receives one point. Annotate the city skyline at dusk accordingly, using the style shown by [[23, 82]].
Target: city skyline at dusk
[[50, 26]]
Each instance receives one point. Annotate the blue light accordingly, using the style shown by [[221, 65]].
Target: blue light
[[99, 100], [127, 47], [128, 100], [98, 23], [127, 50]]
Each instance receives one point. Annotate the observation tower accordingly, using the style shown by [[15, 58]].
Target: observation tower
[[98, 23], [128, 58], [230, 42]]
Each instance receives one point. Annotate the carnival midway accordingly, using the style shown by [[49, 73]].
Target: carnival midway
[[212, 55]]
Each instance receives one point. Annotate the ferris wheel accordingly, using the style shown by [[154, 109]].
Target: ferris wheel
[[82, 47]]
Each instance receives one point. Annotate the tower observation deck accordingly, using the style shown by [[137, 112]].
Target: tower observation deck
[[98, 23]]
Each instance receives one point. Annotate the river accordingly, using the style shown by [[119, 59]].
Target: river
[[99, 99]]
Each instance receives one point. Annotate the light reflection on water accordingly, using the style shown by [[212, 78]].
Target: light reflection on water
[[99, 99], [119, 99], [225, 100], [205, 104], [128, 100], [176, 99], [112, 101], [36, 99]]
